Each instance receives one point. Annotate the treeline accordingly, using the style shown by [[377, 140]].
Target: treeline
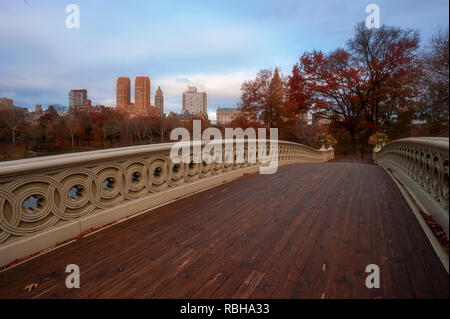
[[54, 133], [381, 83]]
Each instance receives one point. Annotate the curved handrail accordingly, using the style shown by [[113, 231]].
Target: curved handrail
[[422, 164], [77, 158]]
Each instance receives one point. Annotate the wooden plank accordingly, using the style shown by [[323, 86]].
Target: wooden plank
[[249, 285]]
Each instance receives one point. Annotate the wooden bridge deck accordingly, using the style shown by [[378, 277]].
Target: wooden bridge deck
[[308, 231]]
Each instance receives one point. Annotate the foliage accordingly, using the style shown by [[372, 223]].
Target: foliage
[[377, 83], [379, 138], [327, 139], [53, 133]]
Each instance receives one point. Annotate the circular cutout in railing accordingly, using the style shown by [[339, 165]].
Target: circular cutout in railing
[[157, 172], [108, 184], [75, 193], [135, 178], [33, 203]]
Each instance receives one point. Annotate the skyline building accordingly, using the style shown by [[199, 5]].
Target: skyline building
[[194, 102], [6, 103], [225, 115], [141, 95], [78, 102], [77, 97], [159, 101], [123, 96]]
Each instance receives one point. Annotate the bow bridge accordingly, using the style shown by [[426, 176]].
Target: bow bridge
[[140, 226]]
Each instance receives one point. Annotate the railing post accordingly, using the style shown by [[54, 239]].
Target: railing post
[[323, 149], [375, 151], [331, 152]]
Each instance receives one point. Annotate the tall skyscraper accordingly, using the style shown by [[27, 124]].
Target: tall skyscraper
[[123, 93], [194, 102], [159, 101], [77, 97], [142, 94]]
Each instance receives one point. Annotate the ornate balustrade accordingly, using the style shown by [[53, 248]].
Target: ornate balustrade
[[421, 164], [45, 201]]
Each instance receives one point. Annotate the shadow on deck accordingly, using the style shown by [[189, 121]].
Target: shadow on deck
[[308, 231]]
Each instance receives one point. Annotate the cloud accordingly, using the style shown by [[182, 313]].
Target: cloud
[[108, 102], [183, 80], [9, 94], [212, 116], [225, 84]]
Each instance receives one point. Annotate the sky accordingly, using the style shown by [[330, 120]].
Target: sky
[[215, 45]]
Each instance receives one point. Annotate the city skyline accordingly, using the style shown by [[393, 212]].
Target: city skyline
[[142, 98], [241, 38]]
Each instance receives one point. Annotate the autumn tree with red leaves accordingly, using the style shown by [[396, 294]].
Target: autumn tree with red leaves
[[274, 101], [364, 87], [337, 88], [387, 56], [368, 86], [262, 98]]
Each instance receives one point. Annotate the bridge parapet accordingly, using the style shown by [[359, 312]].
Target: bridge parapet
[[422, 166], [48, 200]]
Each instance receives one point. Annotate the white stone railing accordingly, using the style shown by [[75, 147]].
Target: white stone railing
[[422, 166], [45, 201]]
